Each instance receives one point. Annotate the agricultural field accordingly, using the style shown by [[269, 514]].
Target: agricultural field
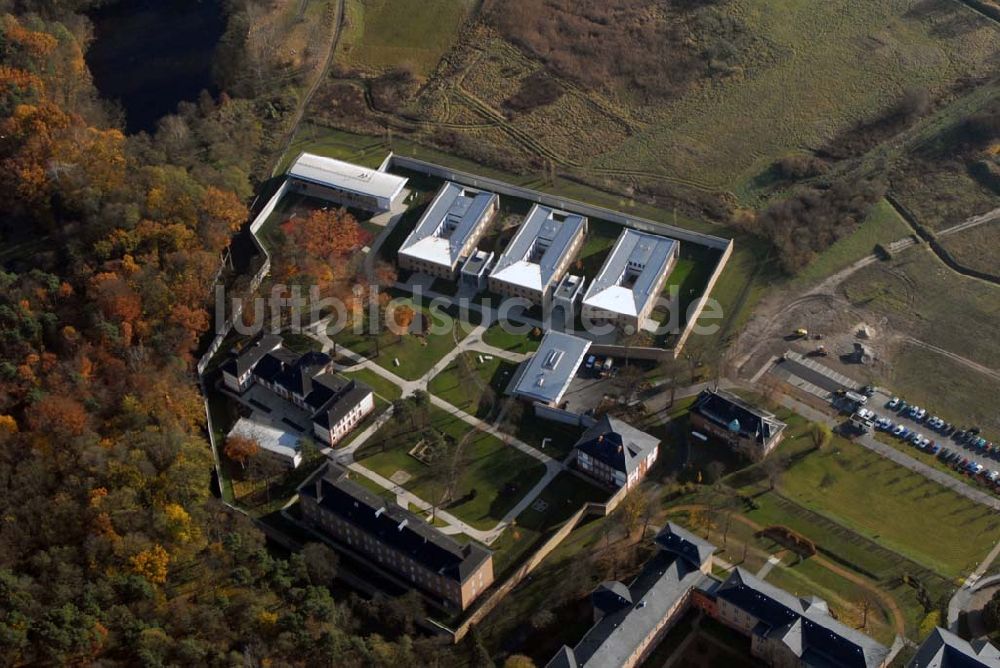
[[492, 481], [383, 34]]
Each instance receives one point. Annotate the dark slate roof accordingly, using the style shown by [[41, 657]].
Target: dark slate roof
[[944, 649], [681, 542], [731, 412], [250, 355], [611, 596], [298, 378], [612, 640], [392, 525], [807, 629], [618, 444], [272, 364], [341, 402], [564, 658]]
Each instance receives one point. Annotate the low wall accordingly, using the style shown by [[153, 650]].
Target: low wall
[[563, 417], [632, 352], [703, 299], [486, 605], [258, 278]]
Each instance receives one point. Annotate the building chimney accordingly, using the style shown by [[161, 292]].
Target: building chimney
[[379, 512], [402, 524]]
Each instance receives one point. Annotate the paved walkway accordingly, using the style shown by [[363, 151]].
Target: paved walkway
[[472, 342], [771, 562]]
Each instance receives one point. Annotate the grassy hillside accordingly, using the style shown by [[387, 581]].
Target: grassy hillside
[[381, 34]]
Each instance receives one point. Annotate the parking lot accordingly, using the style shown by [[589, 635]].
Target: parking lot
[[974, 456], [976, 451]]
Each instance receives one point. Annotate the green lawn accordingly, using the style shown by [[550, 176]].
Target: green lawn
[[382, 386], [498, 337], [498, 474], [562, 497], [381, 34], [889, 505], [562, 437], [449, 386], [416, 354]]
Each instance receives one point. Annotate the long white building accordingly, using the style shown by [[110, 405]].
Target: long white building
[[539, 254], [632, 277], [345, 183], [449, 230]]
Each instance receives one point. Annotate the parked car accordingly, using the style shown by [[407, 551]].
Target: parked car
[[590, 362], [944, 454], [906, 434], [893, 403], [993, 475], [898, 430], [935, 448], [868, 390], [915, 438], [921, 414]]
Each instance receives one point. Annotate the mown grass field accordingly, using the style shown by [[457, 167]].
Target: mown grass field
[[416, 354], [829, 66], [450, 386], [382, 34], [494, 479], [879, 500], [383, 387]]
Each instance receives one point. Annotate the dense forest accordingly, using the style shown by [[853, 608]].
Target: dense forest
[[113, 550]]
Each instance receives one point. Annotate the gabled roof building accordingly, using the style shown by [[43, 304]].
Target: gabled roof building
[[394, 539], [789, 631], [748, 429], [345, 183], [615, 453], [629, 621], [539, 254], [631, 279], [334, 404], [449, 230], [944, 649]]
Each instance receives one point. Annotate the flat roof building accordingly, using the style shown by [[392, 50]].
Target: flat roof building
[[344, 183], [547, 374], [394, 539], [631, 278], [449, 230], [539, 254]]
